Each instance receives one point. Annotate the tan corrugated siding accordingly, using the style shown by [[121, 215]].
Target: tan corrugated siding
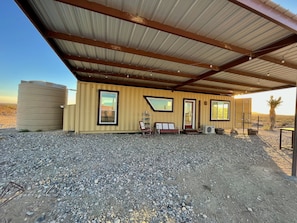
[[69, 118], [39, 106], [132, 104]]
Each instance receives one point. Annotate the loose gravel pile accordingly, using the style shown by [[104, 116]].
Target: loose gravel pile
[[114, 178]]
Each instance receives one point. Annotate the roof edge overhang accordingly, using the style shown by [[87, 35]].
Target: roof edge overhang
[[266, 11]]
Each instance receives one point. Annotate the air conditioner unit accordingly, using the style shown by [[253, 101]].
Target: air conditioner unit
[[207, 129]]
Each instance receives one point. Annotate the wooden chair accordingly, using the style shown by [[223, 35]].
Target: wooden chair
[[143, 129]]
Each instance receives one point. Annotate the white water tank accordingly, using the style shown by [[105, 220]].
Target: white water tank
[[39, 106]]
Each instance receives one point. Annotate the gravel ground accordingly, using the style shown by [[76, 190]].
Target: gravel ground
[[120, 178]]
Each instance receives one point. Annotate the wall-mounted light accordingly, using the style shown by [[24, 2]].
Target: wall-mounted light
[[205, 102]]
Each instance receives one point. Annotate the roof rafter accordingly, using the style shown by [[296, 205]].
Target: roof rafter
[[96, 7], [121, 75], [128, 66], [236, 83], [278, 61], [264, 77], [121, 82], [39, 14], [106, 75], [105, 79], [77, 39], [258, 53], [108, 63]]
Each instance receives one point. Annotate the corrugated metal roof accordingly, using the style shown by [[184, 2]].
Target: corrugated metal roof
[[184, 45]]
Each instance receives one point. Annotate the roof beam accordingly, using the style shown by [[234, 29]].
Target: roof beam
[[258, 53], [102, 9], [209, 86], [278, 61], [127, 66], [264, 10], [106, 75], [77, 39], [122, 75], [125, 81], [122, 82], [165, 72], [263, 77], [236, 83]]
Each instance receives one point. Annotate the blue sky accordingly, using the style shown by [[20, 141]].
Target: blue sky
[[25, 55], [288, 4]]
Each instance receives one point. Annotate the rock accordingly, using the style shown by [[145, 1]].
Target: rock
[[29, 213], [203, 215], [40, 219]]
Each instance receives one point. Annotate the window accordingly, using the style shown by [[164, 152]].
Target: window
[[160, 104], [108, 108], [220, 110]]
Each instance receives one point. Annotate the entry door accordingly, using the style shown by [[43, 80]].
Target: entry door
[[189, 114]]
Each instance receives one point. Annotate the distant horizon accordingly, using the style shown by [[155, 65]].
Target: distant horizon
[[253, 113]]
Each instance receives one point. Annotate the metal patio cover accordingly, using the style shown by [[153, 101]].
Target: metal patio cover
[[225, 47]]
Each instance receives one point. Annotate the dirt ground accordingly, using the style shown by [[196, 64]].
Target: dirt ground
[[7, 115], [256, 189]]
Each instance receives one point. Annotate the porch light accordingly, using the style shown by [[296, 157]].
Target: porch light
[[250, 57]]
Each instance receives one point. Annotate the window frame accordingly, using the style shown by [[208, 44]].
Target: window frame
[[115, 109], [214, 102], [167, 100]]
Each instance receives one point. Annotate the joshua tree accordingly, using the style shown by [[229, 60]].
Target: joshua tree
[[273, 103]]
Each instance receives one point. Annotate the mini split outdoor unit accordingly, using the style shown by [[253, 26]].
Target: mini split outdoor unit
[[207, 129]]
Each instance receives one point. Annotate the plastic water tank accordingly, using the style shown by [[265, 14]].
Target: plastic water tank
[[39, 106]]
